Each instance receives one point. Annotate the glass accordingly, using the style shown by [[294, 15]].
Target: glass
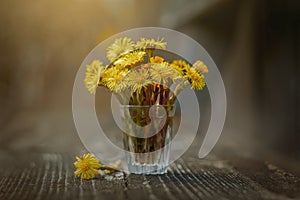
[[147, 132]]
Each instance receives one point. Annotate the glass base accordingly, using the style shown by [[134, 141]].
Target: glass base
[[138, 168], [151, 163]]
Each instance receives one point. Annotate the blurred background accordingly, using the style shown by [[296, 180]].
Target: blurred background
[[255, 44]]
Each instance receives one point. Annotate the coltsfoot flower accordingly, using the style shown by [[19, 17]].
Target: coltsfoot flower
[[156, 59], [201, 67], [163, 73], [120, 47], [112, 77], [144, 43], [196, 80], [87, 166], [131, 59], [181, 66], [92, 75], [137, 79]]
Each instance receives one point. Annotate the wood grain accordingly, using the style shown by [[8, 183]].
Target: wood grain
[[50, 176]]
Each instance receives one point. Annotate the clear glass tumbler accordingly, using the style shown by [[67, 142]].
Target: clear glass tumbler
[[147, 133]]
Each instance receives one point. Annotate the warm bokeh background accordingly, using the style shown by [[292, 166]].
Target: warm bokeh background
[[255, 43]]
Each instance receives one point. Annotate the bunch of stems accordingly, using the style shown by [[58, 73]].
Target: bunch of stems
[[138, 112]]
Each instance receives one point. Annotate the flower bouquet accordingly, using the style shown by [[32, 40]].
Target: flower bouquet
[[146, 83]]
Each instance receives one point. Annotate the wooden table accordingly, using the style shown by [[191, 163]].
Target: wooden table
[[28, 175]]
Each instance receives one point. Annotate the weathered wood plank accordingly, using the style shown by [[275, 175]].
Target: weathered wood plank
[[50, 176], [271, 177]]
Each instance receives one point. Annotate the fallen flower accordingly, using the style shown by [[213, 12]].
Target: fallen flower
[[86, 166]]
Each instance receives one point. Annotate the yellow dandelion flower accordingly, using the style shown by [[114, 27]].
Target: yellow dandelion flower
[[181, 66], [137, 80], [163, 73], [131, 59], [112, 77], [86, 166], [92, 75], [196, 79], [156, 59], [144, 43], [177, 68], [119, 47], [201, 67]]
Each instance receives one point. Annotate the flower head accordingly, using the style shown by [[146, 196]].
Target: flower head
[[156, 59], [163, 73], [181, 66], [112, 77], [197, 80], [144, 43], [86, 166], [137, 79], [119, 47], [201, 67], [131, 59], [92, 75]]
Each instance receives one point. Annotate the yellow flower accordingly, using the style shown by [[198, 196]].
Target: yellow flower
[[137, 80], [163, 73], [112, 77], [156, 59], [92, 75], [196, 79], [131, 59], [119, 47], [144, 43], [86, 166], [201, 67], [181, 66]]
